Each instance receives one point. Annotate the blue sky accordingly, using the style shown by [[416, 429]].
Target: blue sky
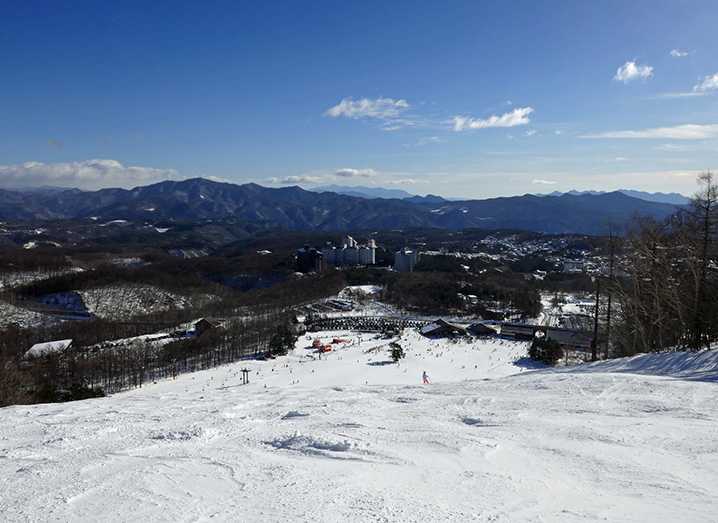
[[470, 99]]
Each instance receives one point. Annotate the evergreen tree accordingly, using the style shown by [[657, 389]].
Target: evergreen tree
[[396, 351]]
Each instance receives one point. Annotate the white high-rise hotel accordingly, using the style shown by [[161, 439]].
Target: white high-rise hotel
[[350, 253], [405, 260]]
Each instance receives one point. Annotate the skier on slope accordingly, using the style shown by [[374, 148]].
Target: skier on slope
[[425, 378]]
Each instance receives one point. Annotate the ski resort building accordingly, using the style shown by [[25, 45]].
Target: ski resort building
[[570, 339], [207, 324], [350, 253], [573, 266], [45, 349], [482, 329], [405, 260], [518, 331], [309, 259], [442, 329]]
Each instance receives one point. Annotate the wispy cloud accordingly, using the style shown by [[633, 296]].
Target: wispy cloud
[[379, 108], [677, 53], [425, 140], [707, 86], [292, 180], [539, 181], [405, 181], [86, 174], [519, 116], [709, 83], [633, 71], [531, 132], [348, 172], [677, 132], [313, 178], [684, 94], [672, 147]]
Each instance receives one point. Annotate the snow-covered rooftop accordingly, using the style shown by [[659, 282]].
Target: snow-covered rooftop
[[48, 347]]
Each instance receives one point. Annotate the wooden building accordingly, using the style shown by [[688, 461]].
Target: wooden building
[[442, 329]]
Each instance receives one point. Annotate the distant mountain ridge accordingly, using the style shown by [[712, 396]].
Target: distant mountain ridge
[[364, 192], [672, 198], [199, 199]]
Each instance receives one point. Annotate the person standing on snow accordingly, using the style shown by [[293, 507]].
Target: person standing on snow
[[425, 378]]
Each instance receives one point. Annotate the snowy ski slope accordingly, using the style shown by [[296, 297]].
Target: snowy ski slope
[[349, 438]]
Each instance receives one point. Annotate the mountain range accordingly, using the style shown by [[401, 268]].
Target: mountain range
[[672, 198], [199, 199], [359, 191], [364, 192]]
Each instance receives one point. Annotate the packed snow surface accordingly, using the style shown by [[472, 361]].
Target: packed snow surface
[[351, 437]]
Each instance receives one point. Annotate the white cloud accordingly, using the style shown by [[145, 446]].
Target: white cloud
[[426, 140], [218, 179], [531, 132], [405, 181], [519, 116], [87, 174], [544, 182], [688, 94], [395, 124], [347, 172], [709, 83], [677, 132], [313, 178], [558, 132], [672, 147], [707, 86], [631, 71], [380, 108], [292, 180], [677, 53]]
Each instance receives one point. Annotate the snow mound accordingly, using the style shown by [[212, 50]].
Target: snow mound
[[177, 435], [293, 414], [310, 445], [702, 365]]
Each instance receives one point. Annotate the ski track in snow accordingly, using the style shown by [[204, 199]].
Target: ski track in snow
[[342, 440]]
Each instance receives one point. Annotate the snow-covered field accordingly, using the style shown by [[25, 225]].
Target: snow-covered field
[[14, 279], [10, 314], [350, 438], [124, 301]]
